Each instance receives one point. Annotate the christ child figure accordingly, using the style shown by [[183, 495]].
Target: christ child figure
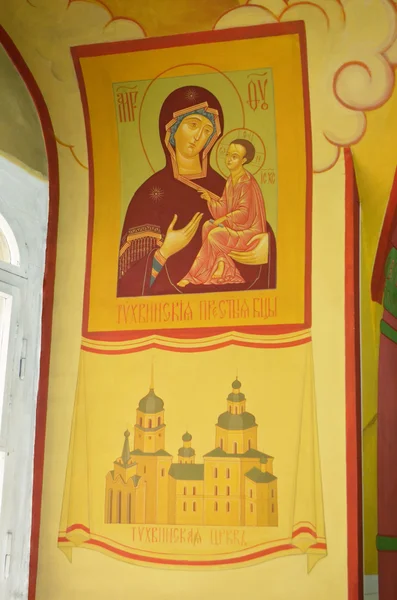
[[238, 218]]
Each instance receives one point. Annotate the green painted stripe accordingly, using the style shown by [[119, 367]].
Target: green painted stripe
[[385, 543], [388, 331]]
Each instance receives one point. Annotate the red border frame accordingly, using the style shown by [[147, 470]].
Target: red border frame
[[355, 565], [353, 426], [48, 297], [223, 35], [384, 245]]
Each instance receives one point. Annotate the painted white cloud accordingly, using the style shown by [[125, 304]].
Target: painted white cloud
[[351, 48], [44, 34]]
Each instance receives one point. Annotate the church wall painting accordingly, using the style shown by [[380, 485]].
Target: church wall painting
[[199, 253]]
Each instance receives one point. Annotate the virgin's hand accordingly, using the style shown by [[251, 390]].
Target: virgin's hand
[[178, 239], [258, 255]]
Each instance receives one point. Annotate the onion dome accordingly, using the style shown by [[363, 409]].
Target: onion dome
[[235, 422], [151, 404], [236, 385], [186, 437]]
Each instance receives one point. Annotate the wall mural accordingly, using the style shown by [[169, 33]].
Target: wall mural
[[208, 168]]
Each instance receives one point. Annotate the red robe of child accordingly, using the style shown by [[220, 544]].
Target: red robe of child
[[244, 208]]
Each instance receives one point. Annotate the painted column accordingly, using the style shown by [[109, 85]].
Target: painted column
[[387, 433]]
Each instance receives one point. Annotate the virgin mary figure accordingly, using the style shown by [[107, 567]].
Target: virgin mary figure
[[162, 232]]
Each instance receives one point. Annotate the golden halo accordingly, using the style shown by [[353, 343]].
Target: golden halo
[[245, 134], [165, 82]]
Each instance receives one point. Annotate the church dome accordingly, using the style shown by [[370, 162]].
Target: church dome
[[151, 403], [187, 437], [236, 385], [234, 422]]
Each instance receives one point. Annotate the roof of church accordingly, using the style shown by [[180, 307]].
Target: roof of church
[[252, 453], [151, 403], [135, 479], [236, 397], [236, 385], [229, 421], [138, 452], [187, 472], [187, 437], [186, 452], [258, 476]]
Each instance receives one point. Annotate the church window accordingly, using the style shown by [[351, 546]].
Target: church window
[[215, 472], [162, 472], [227, 506], [110, 507], [227, 490], [119, 507], [185, 491], [272, 508], [272, 493], [235, 447], [227, 473], [221, 444], [194, 491], [150, 423], [144, 469], [251, 507], [129, 509], [249, 444], [251, 493], [216, 490], [194, 507], [140, 421], [216, 506], [159, 421], [184, 506]]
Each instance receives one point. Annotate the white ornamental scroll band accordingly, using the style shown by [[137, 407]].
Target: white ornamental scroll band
[[137, 243]]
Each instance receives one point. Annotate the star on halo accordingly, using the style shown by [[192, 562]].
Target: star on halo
[[191, 94]]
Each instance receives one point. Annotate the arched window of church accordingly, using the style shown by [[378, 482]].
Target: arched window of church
[[221, 443], [227, 473], [129, 509], [272, 508], [216, 506], [216, 490], [144, 469], [272, 493], [185, 491], [194, 507], [235, 447], [184, 506], [110, 507], [140, 421], [249, 444], [159, 421], [162, 472], [150, 423], [227, 490], [194, 491], [215, 473], [251, 493], [251, 507], [227, 506], [119, 507]]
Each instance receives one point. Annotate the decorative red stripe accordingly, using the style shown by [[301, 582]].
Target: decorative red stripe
[[78, 526], [192, 563], [304, 530], [184, 349]]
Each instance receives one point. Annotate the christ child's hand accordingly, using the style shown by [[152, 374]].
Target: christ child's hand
[[220, 221]]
